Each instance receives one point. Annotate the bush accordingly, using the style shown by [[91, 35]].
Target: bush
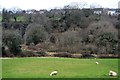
[[3, 51], [86, 55], [69, 38], [35, 33], [41, 53], [32, 53], [12, 39], [103, 35], [69, 41], [27, 54], [108, 56]]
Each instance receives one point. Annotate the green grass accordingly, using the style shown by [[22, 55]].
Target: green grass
[[67, 67]]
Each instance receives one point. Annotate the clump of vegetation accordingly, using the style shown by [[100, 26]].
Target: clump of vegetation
[[35, 33], [69, 29], [12, 40], [41, 53]]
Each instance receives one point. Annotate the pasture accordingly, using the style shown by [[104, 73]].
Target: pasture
[[66, 67]]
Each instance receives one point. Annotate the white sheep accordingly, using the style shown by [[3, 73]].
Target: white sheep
[[112, 73], [53, 73], [97, 62]]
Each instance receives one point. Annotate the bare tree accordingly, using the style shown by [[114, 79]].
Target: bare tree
[[103, 34]]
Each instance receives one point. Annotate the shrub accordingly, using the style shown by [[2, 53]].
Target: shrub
[[69, 41], [35, 33], [108, 56], [27, 54], [102, 34], [41, 53], [69, 38], [86, 55], [12, 39]]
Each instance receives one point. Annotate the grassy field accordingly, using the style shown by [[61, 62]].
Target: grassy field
[[67, 67]]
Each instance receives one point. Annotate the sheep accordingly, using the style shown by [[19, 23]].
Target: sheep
[[97, 62], [53, 73], [112, 73]]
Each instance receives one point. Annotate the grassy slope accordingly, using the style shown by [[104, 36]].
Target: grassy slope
[[67, 68]]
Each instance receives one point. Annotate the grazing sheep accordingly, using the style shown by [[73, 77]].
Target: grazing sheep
[[53, 73], [112, 73], [97, 62]]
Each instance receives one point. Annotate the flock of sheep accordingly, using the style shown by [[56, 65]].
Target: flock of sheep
[[111, 73]]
